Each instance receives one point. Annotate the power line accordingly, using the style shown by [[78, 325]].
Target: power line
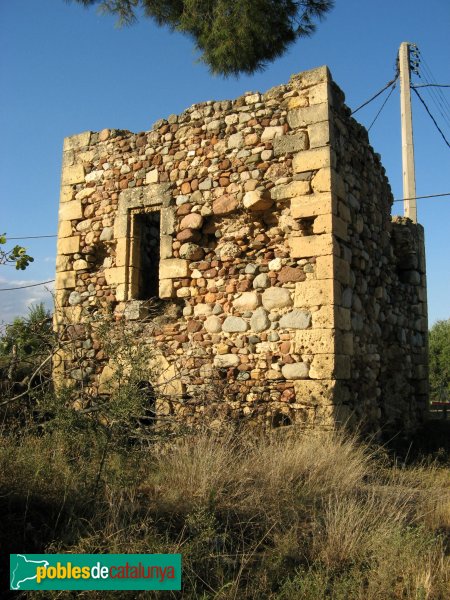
[[30, 237], [440, 101], [382, 106], [424, 85], [23, 287], [421, 197], [375, 96], [432, 118]]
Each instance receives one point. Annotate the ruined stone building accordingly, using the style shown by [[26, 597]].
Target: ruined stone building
[[286, 291]]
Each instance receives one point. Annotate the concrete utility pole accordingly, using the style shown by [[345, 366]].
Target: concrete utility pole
[[409, 177]]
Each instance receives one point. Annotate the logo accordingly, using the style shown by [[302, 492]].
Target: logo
[[95, 571]]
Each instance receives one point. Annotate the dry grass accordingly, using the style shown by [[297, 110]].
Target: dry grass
[[288, 516]]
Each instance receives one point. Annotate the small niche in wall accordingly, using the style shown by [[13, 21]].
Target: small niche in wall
[[148, 396], [146, 255], [98, 254], [306, 225], [280, 420]]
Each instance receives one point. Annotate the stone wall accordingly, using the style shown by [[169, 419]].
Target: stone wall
[[286, 292]]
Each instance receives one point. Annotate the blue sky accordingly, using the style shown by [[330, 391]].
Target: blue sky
[[64, 69]]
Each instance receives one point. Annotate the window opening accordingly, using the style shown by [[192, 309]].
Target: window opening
[[147, 227]]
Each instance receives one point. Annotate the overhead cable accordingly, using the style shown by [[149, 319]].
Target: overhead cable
[[23, 287], [376, 95], [425, 85], [431, 116], [382, 106], [29, 237], [440, 101], [421, 197]]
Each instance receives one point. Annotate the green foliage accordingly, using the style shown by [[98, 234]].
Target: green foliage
[[28, 336], [439, 342], [232, 37], [17, 255]]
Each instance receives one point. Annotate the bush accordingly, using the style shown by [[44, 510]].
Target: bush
[[439, 343], [280, 516]]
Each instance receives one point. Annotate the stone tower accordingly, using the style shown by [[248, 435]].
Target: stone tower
[[262, 227]]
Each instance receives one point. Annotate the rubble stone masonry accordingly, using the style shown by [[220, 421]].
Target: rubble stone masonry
[[287, 293]]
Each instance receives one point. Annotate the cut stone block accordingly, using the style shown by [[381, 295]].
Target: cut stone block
[[313, 205], [315, 341], [320, 93], [331, 224], [315, 392], [121, 292], [114, 276], [121, 252], [327, 180], [321, 182], [290, 190], [167, 221], [70, 210], [333, 267], [62, 263], [325, 366], [172, 268], [73, 175], [166, 289], [312, 160], [64, 229], [316, 292], [286, 144], [69, 245], [302, 117], [75, 142], [166, 250], [66, 193], [311, 77], [65, 280], [313, 245], [319, 134]]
